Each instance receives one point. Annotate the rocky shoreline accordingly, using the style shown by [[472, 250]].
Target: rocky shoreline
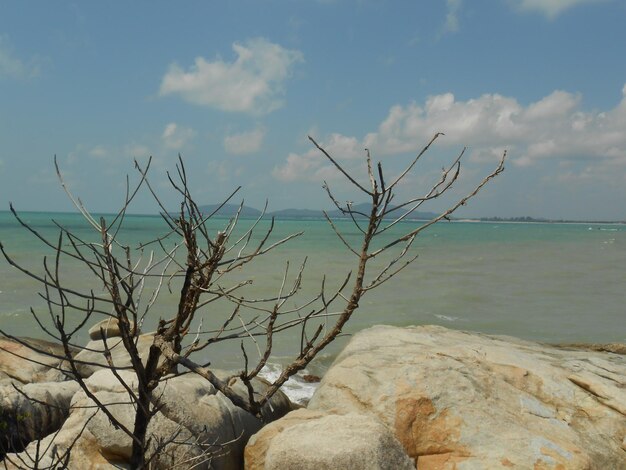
[[417, 397]]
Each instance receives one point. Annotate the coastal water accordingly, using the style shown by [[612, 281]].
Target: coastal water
[[546, 282]]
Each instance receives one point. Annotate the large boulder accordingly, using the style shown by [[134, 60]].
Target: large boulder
[[473, 401], [220, 428], [30, 360], [314, 440]]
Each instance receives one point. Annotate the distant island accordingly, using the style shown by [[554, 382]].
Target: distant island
[[547, 221], [229, 210]]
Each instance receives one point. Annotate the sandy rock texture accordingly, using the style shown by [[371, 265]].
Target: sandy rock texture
[[314, 440], [458, 400], [20, 363]]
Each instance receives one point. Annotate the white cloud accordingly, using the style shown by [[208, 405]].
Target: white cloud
[[554, 127], [471, 122], [297, 167], [13, 67], [138, 151], [175, 137], [244, 143], [551, 8], [452, 16], [253, 83], [345, 148], [99, 152], [313, 166]]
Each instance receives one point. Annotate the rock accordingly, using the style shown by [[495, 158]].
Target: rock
[[468, 400], [114, 444], [85, 450], [195, 424], [219, 427], [617, 348], [103, 380], [311, 379], [91, 357], [31, 360], [314, 440], [94, 441], [110, 327], [83, 456], [32, 411]]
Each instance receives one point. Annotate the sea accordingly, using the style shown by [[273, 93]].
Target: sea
[[548, 282]]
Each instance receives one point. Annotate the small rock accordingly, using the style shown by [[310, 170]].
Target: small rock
[[310, 378], [108, 328]]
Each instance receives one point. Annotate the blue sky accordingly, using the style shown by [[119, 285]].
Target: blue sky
[[235, 87]]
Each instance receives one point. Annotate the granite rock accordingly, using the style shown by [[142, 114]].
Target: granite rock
[[313, 440], [472, 401]]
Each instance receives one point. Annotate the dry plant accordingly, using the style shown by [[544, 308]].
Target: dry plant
[[199, 263]]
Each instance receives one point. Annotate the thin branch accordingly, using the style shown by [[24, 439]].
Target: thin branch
[[339, 167]]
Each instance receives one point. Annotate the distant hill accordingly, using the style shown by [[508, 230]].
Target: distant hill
[[229, 210], [365, 208], [551, 221], [297, 214]]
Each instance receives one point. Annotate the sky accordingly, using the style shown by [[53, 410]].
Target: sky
[[236, 87]]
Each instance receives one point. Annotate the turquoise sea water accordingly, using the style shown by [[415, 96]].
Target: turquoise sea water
[[546, 282]]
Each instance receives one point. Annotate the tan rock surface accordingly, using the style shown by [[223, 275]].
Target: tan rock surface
[[20, 363], [110, 327], [472, 401], [91, 358], [195, 421], [314, 440]]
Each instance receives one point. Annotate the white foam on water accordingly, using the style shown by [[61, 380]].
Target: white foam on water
[[448, 318], [295, 388]]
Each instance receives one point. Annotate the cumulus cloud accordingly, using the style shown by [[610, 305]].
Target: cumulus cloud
[[551, 8], [551, 127], [253, 83], [244, 143], [13, 67], [175, 137], [554, 127], [312, 165]]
